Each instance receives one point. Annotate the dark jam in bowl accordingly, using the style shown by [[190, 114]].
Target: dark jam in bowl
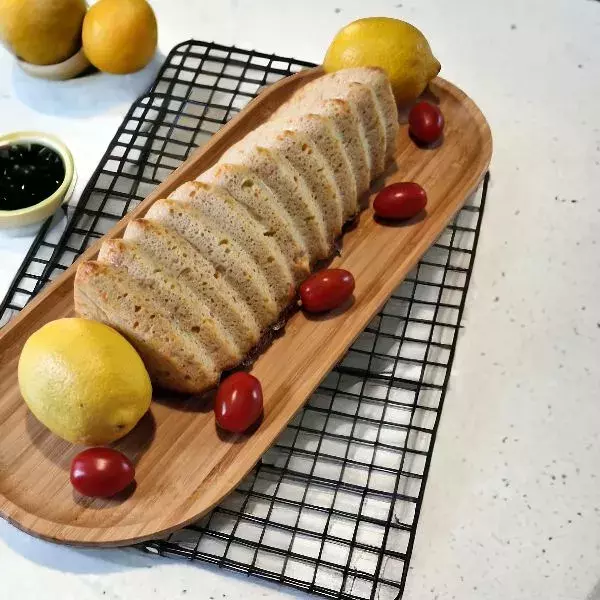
[[29, 173]]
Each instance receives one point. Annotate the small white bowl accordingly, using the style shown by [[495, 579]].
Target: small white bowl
[[24, 217], [67, 69]]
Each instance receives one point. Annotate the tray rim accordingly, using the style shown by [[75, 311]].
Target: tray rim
[[130, 533]]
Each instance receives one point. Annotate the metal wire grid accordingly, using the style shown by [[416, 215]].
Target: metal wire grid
[[333, 506]]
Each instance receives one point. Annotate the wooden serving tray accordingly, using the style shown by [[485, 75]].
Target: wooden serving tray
[[185, 466]]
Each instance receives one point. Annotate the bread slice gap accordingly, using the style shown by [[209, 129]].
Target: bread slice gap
[[347, 128], [377, 80], [303, 154], [364, 104]]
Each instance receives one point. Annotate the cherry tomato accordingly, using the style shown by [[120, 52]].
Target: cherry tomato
[[239, 402], [326, 290], [426, 122], [101, 472], [400, 201]]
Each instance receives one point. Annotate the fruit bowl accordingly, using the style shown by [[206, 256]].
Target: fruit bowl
[[67, 69]]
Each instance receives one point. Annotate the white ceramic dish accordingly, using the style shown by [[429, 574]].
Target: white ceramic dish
[[25, 217], [67, 69]]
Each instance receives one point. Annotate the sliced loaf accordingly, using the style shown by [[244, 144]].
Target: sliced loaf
[[189, 313], [229, 260], [347, 126], [250, 190], [196, 283], [175, 254], [174, 359], [320, 130], [218, 208], [291, 191]]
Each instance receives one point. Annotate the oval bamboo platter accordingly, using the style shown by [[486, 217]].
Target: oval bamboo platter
[[184, 465]]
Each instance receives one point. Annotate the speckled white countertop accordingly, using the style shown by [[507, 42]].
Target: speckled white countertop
[[512, 508]]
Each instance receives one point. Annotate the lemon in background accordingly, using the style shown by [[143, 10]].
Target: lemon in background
[[119, 36], [84, 381], [396, 46], [42, 32]]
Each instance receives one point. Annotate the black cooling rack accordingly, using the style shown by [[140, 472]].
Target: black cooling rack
[[333, 506]]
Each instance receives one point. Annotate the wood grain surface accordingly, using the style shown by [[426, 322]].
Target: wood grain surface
[[184, 465]]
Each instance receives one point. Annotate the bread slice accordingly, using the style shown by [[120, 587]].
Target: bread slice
[[347, 127], [189, 313], [303, 154], [229, 260], [291, 191], [173, 253], [196, 283], [220, 210], [364, 104], [250, 190], [321, 132], [174, 360], [377, 80]]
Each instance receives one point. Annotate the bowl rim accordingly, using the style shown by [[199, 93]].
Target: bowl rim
[[51, 141], [69, 68]]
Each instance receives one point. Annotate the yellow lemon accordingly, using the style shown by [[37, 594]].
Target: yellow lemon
[[119, 36], [84, 381], [42, 32], [395, 46]]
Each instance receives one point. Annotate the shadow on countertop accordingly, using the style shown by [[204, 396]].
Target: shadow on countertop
[[70, 559], [89, 94]]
